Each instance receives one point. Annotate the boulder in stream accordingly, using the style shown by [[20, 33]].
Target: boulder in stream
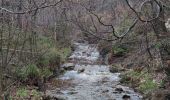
[[81, 70], [120, 90], [126, 97]]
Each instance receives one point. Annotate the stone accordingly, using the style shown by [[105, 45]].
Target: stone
[[104, 91], [120, 90], [72, 92], [113, 70], [81, 41], [62, 70], [68, 66], [53, 96], [126, 97], [81, 70]]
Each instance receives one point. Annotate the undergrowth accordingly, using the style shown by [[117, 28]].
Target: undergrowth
[[140, 80]]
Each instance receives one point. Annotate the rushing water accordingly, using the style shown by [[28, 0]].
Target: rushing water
[[92, 81]]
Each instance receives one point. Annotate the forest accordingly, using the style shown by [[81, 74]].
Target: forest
[[84, 49]]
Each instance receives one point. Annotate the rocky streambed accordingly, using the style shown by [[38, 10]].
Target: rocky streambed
[[92, 81]]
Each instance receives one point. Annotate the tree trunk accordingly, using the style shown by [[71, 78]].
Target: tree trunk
[[161, 33]]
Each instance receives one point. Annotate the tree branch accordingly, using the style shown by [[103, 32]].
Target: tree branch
[[137, 14], [32, 10]]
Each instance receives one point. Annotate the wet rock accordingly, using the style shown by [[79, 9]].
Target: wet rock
[[105, 91], [120, 90], [115, 92], [126, 97], [104, 80], [60, 98], [54, 98], [81, 41], [114, 70], [72, 92], [62, 70], [68, 66], [81, 70]]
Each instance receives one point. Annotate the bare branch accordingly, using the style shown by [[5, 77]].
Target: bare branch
[[137, 14], [32, 10]]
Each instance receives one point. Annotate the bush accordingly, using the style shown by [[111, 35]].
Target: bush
[[148, 86], [27, 72], [45, 42], [22, 93], [54, 54], [32, 71], [20, 74], [45, 72]]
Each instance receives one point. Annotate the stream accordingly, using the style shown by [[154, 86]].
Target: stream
[[92, 80]]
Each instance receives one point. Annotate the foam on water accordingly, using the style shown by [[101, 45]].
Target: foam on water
[[85, 51], [91, 77]]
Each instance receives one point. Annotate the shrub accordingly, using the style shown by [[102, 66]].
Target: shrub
[[45, 72], [36, 95], [29, 71], [148, 85], [45, 42], [32, 71], [22, 93], [20, 74], [54, 54]]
